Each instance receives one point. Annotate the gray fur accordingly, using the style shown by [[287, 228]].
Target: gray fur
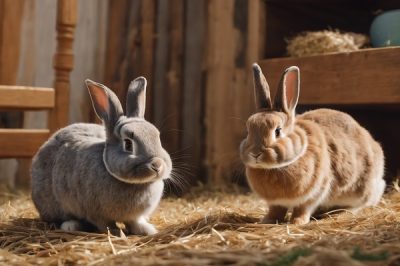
[[136, 98], [83, 172]]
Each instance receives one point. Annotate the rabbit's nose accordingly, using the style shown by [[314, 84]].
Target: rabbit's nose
[[156, 164], [255, 155]]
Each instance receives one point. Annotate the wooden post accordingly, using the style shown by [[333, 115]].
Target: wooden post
[[145, 65], [220, 47], [193, 139], [11, 14], [63, 62], [233, 42], [130, 47], [172, 113]]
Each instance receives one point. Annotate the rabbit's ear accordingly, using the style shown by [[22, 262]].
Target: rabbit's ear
[[136, 98], [105, 103], [261, 89], [287, 95]]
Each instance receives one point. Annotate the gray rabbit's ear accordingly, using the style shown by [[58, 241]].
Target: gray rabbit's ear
[[136, 98], [105, 103], [261, 89], [287, 95]]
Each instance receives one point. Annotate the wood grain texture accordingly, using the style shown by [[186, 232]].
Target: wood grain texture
[[192, 141], [160, 63], [145, 62], [10, 28], [363, 77], [130, 47], [21, 142], [220, 65], [118, 22], [11, 14], [89, 50], [63, 62], [11, 20], [173, 78], [27, 98], [234, 42]]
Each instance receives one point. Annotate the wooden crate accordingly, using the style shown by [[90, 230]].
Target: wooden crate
[[364, 84], [364, 77]]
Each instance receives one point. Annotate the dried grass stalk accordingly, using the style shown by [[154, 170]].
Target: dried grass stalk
[[327, 41], [209, 228]]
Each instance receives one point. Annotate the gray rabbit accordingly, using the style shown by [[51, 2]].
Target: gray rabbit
[[99, 175]]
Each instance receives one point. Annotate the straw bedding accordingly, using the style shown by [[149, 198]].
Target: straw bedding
[[325, 41], [208, 228]]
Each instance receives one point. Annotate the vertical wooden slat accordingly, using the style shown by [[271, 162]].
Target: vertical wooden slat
[[256, 31], [11, 14], [168, 72], [63, 62], [254, 48], [118, 23], [146, 62], [173, 78], [192, 112], [161, 62], [130, 47], [233, 44], [220, 42]]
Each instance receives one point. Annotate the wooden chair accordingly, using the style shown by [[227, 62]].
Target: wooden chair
[[23, 143]]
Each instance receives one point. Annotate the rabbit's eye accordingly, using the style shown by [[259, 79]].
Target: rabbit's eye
[[278, 132], [128, 146]]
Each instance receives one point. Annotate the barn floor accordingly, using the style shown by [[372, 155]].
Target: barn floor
[[208, 228]]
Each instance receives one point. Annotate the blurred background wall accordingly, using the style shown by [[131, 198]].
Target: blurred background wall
[[196, 55]]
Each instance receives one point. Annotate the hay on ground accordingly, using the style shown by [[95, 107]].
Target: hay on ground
[[208, 228]]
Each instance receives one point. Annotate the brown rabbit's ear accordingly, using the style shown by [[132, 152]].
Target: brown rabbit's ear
[[288, 91], [261, 89], [105, 103]]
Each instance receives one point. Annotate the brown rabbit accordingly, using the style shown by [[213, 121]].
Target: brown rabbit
[[318, 160]]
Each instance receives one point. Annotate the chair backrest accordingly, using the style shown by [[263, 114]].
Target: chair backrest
[[23, 143]]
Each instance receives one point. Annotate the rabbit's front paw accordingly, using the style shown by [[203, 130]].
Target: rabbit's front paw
[[276, 214], [71, 225], [141, 227]]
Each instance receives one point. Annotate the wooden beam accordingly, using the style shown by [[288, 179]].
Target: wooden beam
[[63, 62], [145, 62], [173, 77], [117, 32], [25, 142], [11, 15], [220, 65], [363, 77], [27, 98], [160, 63], [130, 47], [193, 139]]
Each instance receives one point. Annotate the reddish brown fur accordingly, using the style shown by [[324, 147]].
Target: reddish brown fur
[[322, 158]]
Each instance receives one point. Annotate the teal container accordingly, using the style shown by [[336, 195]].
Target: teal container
[[385, 29]]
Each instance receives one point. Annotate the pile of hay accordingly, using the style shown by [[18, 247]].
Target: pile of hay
[[208, 228], [326, 41]]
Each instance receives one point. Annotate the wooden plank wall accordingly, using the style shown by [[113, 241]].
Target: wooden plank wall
[[33, 28], [197, 57], [162, 40], [195, 54], [10, 26]]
